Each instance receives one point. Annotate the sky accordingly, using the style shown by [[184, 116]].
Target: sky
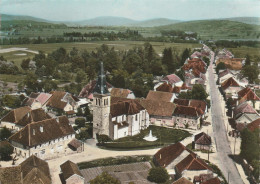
[[75, 10]]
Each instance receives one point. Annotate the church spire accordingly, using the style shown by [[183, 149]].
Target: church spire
[[101, 85]]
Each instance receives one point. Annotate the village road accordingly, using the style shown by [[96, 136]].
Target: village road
[[227, 165]]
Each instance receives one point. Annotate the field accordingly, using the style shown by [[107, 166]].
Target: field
[[243, 51]]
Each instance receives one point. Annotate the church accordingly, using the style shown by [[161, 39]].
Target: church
[[113, 116]]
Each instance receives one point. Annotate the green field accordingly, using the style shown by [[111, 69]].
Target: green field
[[118, 45], [243, 51]]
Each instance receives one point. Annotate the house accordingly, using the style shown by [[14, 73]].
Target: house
[[232, 63], [247, 95], [200, 105], [36, 100], [32, 170], [182, 180], [254, 125], [71, 173], [192, 166], [224, 75], [160, 96], [116, 117], [224, 53], [230, 87], [61, 101], [169, 156], [31, 116], [180, 162], [87, 91], [46, 139], [15, 115], [172, 79], [214, 180], [122, 93], [186, 117], [165, 87], [160, 112], [244, 113], [202, 141]]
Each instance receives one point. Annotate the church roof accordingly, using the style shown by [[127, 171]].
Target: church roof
[[101, 86]]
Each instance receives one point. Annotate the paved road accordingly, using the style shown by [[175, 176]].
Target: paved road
[[223, 149]]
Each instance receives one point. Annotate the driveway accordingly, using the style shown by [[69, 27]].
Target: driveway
[[227, 165]]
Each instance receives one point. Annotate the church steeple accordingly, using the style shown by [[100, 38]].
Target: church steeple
[[101, 85]]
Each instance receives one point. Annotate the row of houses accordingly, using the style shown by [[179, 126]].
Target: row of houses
[[243, 103]]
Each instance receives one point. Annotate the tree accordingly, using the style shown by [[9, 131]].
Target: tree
[[5, 133], [249, 145], [220, 66], [198, 92], [5, 151], [184, 56], [31, 82], [248, 60], [11, 101], [250, 72], [81, 76], [80, 122], [158, 175], [104, 178], [25, 64], [167, 60], [102, 138]]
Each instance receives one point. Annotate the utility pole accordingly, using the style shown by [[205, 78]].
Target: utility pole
[[235, 144]]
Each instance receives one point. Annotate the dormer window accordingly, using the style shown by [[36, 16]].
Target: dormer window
[[41, 128]]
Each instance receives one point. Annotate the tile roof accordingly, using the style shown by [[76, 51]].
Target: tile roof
[[168, 154], [225, 72], [87, 91], [212, 181], [16, 114], [192, 162], [119, 92], [28, 101], [55, 100], [128, 107], [10, 175], [231, 63], [184, 102], [75, 143], [202, 178], [244, 108], [43, 98], [229, 83], [33, 116], [254, 125], [186, 111], [31, 135], [165, 87], [172, 79], [202, 138], [35, 170], [69, 168], [200, 105], [159, 96], [182, 180], [158, 108], [33, 95], [247, 94]]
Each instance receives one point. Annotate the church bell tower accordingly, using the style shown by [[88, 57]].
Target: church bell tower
[[101, 105]]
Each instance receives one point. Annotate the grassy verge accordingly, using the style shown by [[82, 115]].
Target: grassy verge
[[115, 161], [165, 136]]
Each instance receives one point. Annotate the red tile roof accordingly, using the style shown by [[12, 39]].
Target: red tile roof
[[119, 92], [254, 125], [191, 162], [186, 111], [69, 168], [31, 134], [43, 98], [165, 88], [229, 83], [247, 94], [172, 79], [168, 154], [182, 181], [16, 114], [128, 107], [212, 181], [202, 139], [159, 96], [179, 101], [244, 108]]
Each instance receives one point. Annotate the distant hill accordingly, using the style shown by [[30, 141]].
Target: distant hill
[[217, 29], [107, 21], [155, 22], [247, 20], [5, 17]]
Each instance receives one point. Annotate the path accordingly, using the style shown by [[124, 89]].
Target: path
[[13, 49], [227, 165]]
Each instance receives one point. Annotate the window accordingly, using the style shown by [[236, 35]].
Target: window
[[96, 101], [125, 133], [136, 117], [99, 102]]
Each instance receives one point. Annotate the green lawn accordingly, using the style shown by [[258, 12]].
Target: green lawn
[[243, 51], [165, 136]]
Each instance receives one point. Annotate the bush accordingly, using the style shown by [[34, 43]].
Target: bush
[[80, 122], [5, 133], [5, 151], [103, 138], [104, 178], [158, 175]]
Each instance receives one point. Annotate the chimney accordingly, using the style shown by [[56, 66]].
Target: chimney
[[41, 128]]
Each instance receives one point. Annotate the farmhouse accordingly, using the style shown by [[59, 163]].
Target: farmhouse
[[71, 173]]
